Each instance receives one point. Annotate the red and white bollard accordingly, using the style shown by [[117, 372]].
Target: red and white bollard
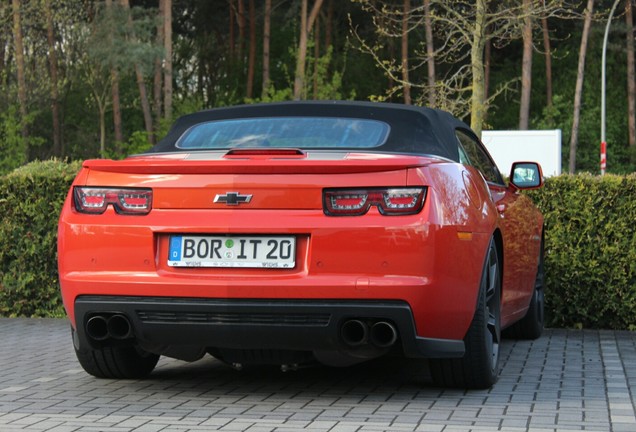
[[603, 157]]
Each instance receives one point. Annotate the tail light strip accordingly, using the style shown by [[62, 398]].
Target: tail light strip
[[128, 201], [389, 201]]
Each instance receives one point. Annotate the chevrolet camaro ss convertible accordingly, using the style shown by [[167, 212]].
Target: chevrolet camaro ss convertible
[[298, 232]]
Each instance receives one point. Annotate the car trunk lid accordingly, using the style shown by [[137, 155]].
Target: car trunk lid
[[246, 179]]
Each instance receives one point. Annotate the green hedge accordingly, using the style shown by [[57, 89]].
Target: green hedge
[[590, 250], [590, 245], [30, 201]]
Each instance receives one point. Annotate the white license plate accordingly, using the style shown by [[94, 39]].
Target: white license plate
[[232, 251]]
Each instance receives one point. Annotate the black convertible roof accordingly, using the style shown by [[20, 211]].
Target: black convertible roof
[[413, 130]]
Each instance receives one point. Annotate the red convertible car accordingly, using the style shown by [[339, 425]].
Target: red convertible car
[[295, 232]]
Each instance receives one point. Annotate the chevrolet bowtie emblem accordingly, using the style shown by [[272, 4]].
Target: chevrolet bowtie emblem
[[232, 198]]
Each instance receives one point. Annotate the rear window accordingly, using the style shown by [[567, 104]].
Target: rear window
[[286, 132]]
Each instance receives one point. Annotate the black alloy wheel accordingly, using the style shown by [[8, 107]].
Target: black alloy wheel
[[479, 367], [530, 327]]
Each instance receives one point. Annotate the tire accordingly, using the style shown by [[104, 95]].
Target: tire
[[479, 367], [531, 325], [121, 362]]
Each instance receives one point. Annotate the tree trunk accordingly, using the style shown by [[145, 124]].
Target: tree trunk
[[487, 57], [19, 59], [102, 131], [305, 25], [145, 104], [167, 33], [578, 92], [117, 121], [231, 30], [316, 55], [158, 81], [267, 20], [114, 76], [2, 43], [526, 67], [241, 26], [55, 102], [631, 84], [477, 101], [405, 52], [141, 83], [329, 25], [548, 62], [430, 53], [252, 51]]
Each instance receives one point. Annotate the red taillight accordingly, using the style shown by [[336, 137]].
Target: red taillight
[[389, 201], [95, 200]]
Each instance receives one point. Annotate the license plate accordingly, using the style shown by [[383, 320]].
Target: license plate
[[232, 251]]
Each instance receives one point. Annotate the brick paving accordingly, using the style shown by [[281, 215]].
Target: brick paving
[[565, 381]]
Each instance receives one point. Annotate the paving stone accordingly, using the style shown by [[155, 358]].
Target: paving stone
[[567, 380]]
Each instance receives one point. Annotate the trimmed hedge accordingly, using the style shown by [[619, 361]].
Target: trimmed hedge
[[31, 198], [590, 245], [590, 250]]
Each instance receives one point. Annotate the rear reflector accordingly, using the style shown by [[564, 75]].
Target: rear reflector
[[129, 201], [389, 201]]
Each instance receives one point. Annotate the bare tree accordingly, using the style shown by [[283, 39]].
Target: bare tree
[[306, 23], [578, 92], [526, 67], [631, 83], [463, 32]]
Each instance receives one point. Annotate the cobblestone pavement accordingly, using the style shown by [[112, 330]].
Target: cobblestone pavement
[[567, 380]]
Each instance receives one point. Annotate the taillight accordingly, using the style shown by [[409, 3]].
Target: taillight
[[129, 201], [389, 201]]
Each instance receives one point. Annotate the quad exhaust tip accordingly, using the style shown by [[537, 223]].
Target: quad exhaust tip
[[101, 328], [356, 332]]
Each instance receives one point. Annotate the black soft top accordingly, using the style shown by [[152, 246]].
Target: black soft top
[[413, 130]]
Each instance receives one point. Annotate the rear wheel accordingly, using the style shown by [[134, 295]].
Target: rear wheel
[[531, 325], [120, 362], [479, 367]]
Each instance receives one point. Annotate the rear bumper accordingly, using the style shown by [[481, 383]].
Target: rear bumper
[[299, 325]]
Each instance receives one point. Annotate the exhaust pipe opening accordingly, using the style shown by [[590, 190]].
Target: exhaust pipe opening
[[383, 334], [354, 332], [97, 328], [119, 327]]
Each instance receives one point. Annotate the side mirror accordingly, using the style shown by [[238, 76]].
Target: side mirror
[[526, 175]]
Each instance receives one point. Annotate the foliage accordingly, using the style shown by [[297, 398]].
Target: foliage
[[320, 81], [12, 146], [590, 246], [30, 201]]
